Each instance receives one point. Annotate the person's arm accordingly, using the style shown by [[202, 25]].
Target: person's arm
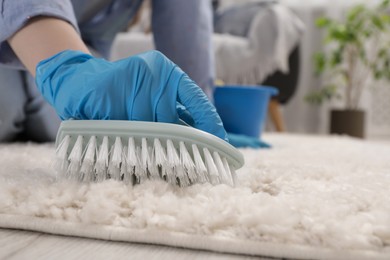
[[183, 32], [145, 87], [41, 38]]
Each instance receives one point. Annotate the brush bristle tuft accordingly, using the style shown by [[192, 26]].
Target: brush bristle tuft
[[136, 160]]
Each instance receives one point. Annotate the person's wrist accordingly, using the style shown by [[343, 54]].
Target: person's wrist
[[47, 66], [50, 71]]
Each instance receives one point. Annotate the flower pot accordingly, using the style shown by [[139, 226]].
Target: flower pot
[[349, 122]]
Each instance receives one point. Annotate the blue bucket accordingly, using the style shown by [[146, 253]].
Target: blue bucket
[[243, 109]]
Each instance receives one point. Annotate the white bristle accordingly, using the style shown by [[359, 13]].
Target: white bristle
[[187, 162], [179, 171], [227, 171], [125, 172], [114, 167], [102, 161], [152, 165], [131, 159], [87, 166], [148, 159], [131, 154], [159, 153], [211, 167], [201, 169], [172, 161], [160, 157], [75, 159], [62, 163], [140, 172], [164, 169], [173, 157], [164, 172], [170, 175], [234, 175], [221, 169], [181, 174], [144, 154]]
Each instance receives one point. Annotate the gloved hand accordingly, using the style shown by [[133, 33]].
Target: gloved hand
[[242, 141], [145, 87]]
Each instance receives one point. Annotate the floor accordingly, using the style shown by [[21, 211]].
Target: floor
[[18, 244]]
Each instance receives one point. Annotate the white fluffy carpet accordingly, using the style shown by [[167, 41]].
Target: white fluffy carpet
[[308, 198]]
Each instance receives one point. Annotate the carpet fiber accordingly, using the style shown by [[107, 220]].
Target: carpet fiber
[[307, 198]]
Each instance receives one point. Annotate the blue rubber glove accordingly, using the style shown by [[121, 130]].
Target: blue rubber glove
[[145, 87], [242, 141], [237, 140]]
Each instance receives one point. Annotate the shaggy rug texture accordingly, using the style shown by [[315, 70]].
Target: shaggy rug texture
[[309, 197]]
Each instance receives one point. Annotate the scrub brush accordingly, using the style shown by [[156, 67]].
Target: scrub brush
[[135, 151]]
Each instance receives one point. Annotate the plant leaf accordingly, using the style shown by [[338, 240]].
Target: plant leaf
[[323, 22]]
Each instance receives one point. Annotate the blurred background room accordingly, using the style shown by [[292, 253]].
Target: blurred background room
[[309, 79], [274, 43]]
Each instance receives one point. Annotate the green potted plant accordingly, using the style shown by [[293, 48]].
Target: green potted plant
[[357, 50]]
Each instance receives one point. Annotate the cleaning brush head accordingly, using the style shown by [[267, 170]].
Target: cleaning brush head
[[134, 151]]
